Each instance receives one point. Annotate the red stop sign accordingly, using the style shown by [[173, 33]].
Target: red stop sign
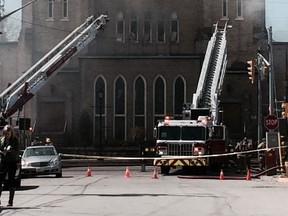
[[271, 122]]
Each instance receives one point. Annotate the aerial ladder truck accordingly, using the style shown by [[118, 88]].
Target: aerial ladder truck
[[25, 87], [186, 142]]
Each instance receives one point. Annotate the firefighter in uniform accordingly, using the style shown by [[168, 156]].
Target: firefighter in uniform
[[243, 159]]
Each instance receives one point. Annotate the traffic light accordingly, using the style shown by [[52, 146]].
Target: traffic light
[[251, 70], [284, 110]]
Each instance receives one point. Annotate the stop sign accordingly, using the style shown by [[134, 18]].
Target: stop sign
[[271, 122]]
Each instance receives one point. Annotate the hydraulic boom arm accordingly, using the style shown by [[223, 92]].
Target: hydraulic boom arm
[[212, 72], [26, 86]]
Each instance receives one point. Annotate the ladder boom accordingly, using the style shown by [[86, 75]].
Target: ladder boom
[[212, 73], [26, 86]]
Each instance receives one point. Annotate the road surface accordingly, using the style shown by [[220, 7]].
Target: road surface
[[108, 192]]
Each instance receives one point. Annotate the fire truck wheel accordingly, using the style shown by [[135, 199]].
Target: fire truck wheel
[[165, 170]]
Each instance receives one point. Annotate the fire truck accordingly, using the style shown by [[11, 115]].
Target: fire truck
[[25, 87], [199, 138]]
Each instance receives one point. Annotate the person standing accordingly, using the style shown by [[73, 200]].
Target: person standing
[[243, 159], [261, 154], [48, 141], [36, 142], [9, 146]]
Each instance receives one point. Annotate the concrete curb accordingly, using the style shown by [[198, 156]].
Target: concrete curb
[[95, 162]]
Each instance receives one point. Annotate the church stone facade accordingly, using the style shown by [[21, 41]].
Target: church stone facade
[[143, 66]]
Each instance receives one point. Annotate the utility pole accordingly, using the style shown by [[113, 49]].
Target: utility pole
[[261, 65], [2, 4], [271, 74], [260, 122], [2, 12]]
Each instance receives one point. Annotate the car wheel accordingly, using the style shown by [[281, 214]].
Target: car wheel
[[59, 175]]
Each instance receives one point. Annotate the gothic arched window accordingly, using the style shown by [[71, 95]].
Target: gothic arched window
[[120, 108]]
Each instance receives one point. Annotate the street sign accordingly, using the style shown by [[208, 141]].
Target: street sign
[[271, 122]]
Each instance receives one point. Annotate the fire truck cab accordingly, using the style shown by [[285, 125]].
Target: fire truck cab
[[186, 142]]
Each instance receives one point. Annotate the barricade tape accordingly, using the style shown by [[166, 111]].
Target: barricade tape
[[75, 156]]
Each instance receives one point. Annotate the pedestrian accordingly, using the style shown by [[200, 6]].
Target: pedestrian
[[261, 154], [36, 141], [243, 159], [9, 146], [48, 141]]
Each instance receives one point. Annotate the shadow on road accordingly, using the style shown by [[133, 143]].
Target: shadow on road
[[23, 188]]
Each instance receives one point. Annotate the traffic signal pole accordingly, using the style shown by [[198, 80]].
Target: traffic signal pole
[[261, 64], [271, 74], [272, 102], [259, 108]]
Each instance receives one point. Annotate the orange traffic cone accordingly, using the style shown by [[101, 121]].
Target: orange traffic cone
[[248, 176], [88, 173], [221, 177], [155, 175], [127, 173]]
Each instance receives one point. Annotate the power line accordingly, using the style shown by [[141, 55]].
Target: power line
[[14, 11]]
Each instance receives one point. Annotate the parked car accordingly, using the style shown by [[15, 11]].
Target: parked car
[[41, 160]]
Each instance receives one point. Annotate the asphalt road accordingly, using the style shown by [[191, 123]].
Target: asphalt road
[[108, 192]]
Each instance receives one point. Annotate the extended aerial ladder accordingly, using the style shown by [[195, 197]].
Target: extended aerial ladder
[[212, 74], [25, 87]]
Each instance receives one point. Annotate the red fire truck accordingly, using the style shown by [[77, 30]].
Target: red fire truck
[[199, 139]]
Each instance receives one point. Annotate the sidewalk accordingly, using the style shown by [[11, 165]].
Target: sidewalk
[[282, 178], [275, 178]]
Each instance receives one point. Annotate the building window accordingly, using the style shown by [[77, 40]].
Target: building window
[[134, 29], [139, 109], [50, 10], [179, 96], [225, 9], [65, 9], [239, 8], [174, 28], [99, 109], [147, 28], [161, 30], [120, 109], [159, 99], [120, 36]]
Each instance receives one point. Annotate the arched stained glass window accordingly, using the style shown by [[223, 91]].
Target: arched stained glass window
[[120, 108], [99, 110], [159, 98], [139, 108], [179, 95]]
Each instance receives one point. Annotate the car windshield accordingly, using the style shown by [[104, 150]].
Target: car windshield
[[41, 151]]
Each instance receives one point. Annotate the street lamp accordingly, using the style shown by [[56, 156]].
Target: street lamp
[[100, 96]]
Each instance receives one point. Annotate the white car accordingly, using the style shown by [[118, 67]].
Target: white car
[[41, 160]]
